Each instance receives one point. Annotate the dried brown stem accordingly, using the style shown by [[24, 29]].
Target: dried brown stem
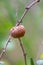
[[26, 10], [20, 21], [23, 50], [4, 49]]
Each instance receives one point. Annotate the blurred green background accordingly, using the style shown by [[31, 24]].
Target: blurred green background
[[10, 12]]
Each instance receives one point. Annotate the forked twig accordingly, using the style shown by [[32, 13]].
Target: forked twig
[[26, 10], [18, 23]]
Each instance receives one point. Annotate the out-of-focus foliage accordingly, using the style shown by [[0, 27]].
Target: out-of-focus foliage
[[10, 12]]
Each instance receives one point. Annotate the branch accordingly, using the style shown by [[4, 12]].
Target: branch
[[4, 49], [26, 10], [20, 21], [23, 50], [9, 38]]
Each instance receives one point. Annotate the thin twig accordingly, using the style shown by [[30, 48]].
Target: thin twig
[[20, 21], [26, 10], [23, 50], [4, 49]]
